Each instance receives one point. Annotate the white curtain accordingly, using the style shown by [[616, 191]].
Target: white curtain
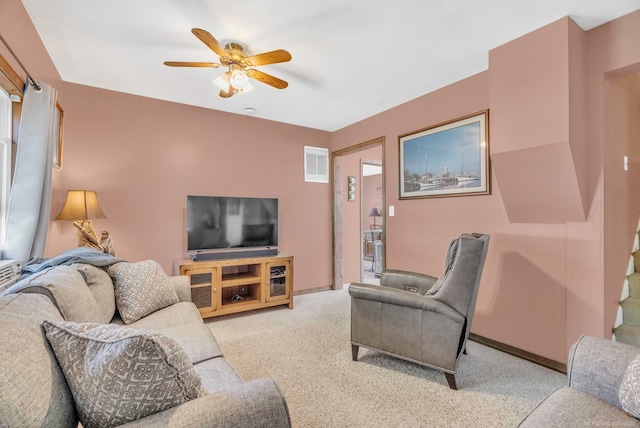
[[30, 200]]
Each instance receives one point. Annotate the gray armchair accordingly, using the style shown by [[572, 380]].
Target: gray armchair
[[421, 318]]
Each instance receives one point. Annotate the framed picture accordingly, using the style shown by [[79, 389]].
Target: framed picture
[[57, 149], [448, 159]]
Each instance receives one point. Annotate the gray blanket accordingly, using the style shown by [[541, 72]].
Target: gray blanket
[[85, 255]]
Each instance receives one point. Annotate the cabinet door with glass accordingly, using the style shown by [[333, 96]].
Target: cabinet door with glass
[[279, 280], [204, 292]]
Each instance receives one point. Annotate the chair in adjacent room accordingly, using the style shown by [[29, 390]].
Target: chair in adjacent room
[[418, 317]]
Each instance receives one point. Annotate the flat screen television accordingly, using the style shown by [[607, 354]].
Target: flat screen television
[[222, 222]]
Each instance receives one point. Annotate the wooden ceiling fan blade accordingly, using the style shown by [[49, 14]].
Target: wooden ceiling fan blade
[[267, 78], [210, 41], [272, 57], [191, 64]]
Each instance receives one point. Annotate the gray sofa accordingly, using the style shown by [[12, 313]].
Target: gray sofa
[[602, 388], [34, 390]]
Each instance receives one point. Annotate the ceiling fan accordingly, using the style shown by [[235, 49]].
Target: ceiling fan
[[239, 65]]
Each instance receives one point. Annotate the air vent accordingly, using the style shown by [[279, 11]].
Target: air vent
[[316, 164], [9, 272]]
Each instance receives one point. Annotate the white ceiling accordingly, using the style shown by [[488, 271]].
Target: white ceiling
[[351, 59]]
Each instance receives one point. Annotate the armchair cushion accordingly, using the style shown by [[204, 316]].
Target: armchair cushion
[[451, 256], [119, 374], [141, 288]]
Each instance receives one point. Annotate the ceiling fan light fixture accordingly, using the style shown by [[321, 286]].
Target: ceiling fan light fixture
[[247, 88], [223, 82], [233, 57], [239, 79]]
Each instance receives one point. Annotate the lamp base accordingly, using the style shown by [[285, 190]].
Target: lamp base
[[86, 235], [87, 238]]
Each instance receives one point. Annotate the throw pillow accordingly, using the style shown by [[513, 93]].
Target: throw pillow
[[117, 374], [101, 286], [629, 393], [66, 288], [141, 288]]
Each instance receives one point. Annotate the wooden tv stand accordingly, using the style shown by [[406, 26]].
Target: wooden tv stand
[[228, 286]]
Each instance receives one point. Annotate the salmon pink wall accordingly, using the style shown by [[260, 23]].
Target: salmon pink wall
[[548, 278], [18, 32], [353, 212], [416, 236], [544, 281], [144, 156], [613, 53]]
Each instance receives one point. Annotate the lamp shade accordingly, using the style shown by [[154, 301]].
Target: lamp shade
[[223, 82], [81, 205], [239, 79], [374, 212]]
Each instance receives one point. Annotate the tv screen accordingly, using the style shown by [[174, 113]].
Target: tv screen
[[219, 222]]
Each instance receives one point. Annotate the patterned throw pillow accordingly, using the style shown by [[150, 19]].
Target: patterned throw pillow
[[629, 394], [117, 374], [141, 288]]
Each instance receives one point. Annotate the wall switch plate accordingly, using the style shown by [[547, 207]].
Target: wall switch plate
[[626, 163], [392, 210]]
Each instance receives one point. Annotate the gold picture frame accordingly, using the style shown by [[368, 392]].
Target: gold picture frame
[[447, 159]]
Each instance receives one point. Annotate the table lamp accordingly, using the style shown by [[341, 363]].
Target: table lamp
[[374, 213], [82, 207]]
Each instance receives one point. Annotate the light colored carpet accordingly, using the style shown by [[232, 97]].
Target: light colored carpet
[[307, 351]]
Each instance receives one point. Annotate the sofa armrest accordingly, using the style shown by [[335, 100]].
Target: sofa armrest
[[182, 287], [405, 280], [257, 403], [596, 366]]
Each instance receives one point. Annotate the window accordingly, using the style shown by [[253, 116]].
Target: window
[[11, 88], [6, 109]]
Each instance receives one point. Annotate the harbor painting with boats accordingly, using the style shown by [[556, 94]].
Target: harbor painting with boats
[[449, 159]]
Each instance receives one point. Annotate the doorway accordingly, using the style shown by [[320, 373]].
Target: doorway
[[350, 221], [371, 221]]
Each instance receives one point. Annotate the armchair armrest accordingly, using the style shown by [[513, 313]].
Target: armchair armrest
[[182, 287], [405, 280], [257, 403], [596, 366], [398, 297]]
